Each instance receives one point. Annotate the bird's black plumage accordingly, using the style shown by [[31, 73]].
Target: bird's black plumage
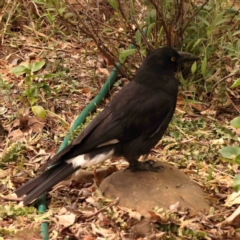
[[129, 126]]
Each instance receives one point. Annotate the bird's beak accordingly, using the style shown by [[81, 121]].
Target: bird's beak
[[187, 57]]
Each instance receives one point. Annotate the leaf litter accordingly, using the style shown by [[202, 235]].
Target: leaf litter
[[78, 210]]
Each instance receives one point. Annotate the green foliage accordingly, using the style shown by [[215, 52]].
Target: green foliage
[[114, 4], [204, 30], [207, 30], [32, 88], [204, 66], [125, 53], [15, 211], [183, 139], [39, 111], [236, 183], [236, 83], [206, 36], [235, 122], [194, 67], [13, 152], [232, 154], [6, 232], [172, 224], [186, 127], [5, 88], [33, 84]]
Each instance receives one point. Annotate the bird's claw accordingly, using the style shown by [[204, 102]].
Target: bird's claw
[[147, 165]]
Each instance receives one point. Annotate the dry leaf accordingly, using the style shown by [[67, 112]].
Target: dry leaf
[[233, 199], [174, 207], [36, 124], [103, 71], [66, 220], [17, 135], [89, 237]]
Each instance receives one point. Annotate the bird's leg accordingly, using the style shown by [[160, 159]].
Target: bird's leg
[[135, 165]]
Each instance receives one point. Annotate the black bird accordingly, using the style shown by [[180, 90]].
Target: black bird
[[129, 126]]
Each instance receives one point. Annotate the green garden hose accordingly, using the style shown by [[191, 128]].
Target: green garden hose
[[80, 120]]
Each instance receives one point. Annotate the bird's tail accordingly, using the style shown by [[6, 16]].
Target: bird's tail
[[37, 186]]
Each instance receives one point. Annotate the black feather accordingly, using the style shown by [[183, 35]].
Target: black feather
[[45, 181]]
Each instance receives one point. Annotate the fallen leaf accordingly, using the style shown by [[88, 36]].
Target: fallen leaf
[[88, 237], [103, 71], [107, 233], [66, 220], [36, 124], [17, 135], [233, 199], [174, 207], [132, 214]]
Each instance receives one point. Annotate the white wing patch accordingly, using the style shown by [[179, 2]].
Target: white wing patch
[[113, 141], [84, 160]]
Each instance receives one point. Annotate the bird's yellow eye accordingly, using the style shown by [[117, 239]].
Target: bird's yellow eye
[[173, 59]]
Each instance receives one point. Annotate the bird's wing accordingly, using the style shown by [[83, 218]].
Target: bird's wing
[[86, 141], [149, 116], [132, 112]]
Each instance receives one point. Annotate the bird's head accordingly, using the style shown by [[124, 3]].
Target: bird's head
[[168, 59]]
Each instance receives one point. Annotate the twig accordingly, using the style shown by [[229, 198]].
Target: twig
[[25, 4], [36, 9], [235, 13], [98, 21], [163, 23], [142, 33], [180, 8], [194, 14], [224, 78], [232, 103], [10, 13], [85, 29], [126, 21], [37, 34], [102, 209]]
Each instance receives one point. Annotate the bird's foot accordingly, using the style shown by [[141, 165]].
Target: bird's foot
[[147, 165]]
